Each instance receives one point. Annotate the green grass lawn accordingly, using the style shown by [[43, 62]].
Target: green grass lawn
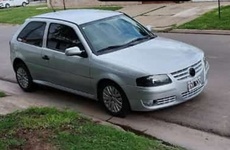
[[2, 94], [210, 20], [17, 15], [49, 128]]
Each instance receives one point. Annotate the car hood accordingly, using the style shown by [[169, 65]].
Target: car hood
[[156, 56]]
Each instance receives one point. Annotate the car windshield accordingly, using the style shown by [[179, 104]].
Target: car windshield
[[114, 33]]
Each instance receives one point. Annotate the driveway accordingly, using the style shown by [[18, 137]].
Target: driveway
[[208, 112], [164, 16]]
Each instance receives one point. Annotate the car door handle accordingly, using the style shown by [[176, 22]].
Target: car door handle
[[45, 57]]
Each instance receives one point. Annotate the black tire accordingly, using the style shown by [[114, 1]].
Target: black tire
[[24, 78], [23, 4], [7, 5], [103, 98]]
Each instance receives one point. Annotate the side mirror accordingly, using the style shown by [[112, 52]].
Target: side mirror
[[149, 27], [75, 51]]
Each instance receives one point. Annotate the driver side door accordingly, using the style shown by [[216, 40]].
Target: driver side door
[[72, 72]]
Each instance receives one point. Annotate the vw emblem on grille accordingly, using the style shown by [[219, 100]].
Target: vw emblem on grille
[[192, 72]]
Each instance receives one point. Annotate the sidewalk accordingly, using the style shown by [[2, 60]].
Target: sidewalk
[[163, 17], [171, 133]]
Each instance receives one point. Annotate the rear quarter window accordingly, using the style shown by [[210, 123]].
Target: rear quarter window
[[33, 33]]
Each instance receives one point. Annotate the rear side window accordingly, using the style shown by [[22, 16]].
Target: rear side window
[[61, 37], [33, 33]]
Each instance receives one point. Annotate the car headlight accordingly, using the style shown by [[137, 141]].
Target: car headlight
[[153, 80]]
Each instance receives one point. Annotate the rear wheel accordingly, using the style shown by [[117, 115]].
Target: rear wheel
[[114, 99], [7, 5], [24, 78]]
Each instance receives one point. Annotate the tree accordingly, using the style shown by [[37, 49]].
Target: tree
[[64, 4], [51, 4]]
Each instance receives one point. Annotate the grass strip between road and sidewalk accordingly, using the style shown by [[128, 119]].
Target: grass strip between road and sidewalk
[[50, 128], [210, 21], [17, 15], [2, 94]]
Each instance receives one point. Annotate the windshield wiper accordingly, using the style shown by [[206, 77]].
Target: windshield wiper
[[133, 42], [110, 47], [141, 39]]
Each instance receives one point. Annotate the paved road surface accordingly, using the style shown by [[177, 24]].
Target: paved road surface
[[6, 71], [209, 111]]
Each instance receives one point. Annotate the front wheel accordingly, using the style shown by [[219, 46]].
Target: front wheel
[[114, 99], [24, 78]]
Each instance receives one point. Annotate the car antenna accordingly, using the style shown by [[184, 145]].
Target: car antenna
[[52, 6]]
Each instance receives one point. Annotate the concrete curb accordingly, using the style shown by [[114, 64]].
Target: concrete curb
[[195, 31], [174, 134], [102, 122], [165, 29]]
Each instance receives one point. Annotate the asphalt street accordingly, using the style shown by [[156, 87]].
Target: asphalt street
[[6, 71], [209, 111]]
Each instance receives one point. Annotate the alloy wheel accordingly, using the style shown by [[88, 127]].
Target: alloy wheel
[[23, 78], [112, 99]]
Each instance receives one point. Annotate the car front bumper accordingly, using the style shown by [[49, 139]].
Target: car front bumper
[[153, 98]]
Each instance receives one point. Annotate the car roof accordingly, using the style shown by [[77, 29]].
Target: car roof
[[79, 16]]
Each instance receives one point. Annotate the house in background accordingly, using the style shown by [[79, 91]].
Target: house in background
[[38, 0], [88, 3]]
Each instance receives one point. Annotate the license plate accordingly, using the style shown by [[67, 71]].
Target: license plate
[[195, 83]]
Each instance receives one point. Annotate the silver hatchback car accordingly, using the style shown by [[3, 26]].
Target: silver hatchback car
[[107, 56]]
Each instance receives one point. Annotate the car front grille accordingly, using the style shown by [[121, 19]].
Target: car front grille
[[184, 73], [165, 100], [189, 94]]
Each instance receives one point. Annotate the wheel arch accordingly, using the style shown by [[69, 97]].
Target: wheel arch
[[7, 4], [127, 106], [24, 3], [29, 85], [104, 81], [107, 80], [18, 61], [119, 80]]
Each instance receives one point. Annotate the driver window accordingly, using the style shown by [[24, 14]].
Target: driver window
[[60, 37]]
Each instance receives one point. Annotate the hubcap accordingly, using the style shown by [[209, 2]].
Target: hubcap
[[112, 99], [22, 78]]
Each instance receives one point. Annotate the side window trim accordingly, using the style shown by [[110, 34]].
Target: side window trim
[[62, 24], [45, 35], [24, 28]]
